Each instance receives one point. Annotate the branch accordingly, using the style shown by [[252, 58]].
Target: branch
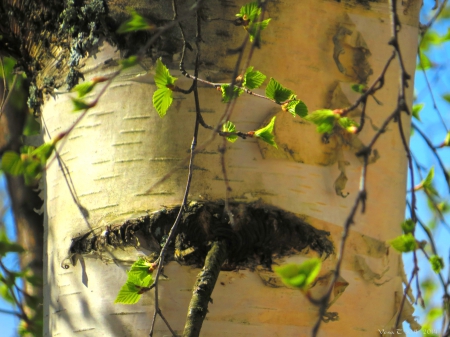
[[203, 288]]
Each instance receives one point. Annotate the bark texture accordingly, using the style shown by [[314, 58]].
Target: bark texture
[[315, 48]]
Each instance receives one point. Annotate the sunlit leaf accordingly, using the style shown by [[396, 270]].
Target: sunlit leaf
[[424, 62], [408, 226], [253, 79], [135, 23], [437, 263], [163, 79], [416, 110], [128, 294], [229, 93], [162, 99], [266, 133], [11, 163], [404, 243], [277, 92], [359, 88], [250, 12], [84, 88], [79, 104], [299, 275], [297, 107], [129, 62], [324, 119], [230, 127]]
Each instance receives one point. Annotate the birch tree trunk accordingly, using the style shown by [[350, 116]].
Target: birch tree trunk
[[318, 49]]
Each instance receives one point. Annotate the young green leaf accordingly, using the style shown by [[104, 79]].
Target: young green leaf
[[253, 79], [296, 107], [230, 127], [299, 275], [163, 79], [12, 164], [424, 62], [249, 12], [79, 104], [44, 152], [408, 226], [129, 62], [141, 270], [324, 119], [416, 110], [277, 92], [266, 133], [348, 124], [162, 99], [84, 88], [404, 243], [128, 294], [255, 29], [228, 94], [437, 263], [359, 88], [135, 23]]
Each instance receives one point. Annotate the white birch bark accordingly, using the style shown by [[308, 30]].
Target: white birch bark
[[122, 147]]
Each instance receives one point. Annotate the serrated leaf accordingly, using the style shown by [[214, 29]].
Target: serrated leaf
[[128, 294], [129, 62], [12, 163], [228, 94], [277, 92], [255, 29], [230, 127], [162, 99], [297, 107], [253, 79], [408, 226], [84, 88], [416, 110], [135, 23], [437, 263], [140, 272], [79, 104], [324, 119], [299, 275], [404, 243], [163, 79], [266, 133], [250, 11]]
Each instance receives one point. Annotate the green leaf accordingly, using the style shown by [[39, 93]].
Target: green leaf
[[250, 12], [128, 294], [429, 178], [404, 243], [266, 133], [228, 94], [255, 29], [299, 275], [162, 99], [84, 88], [324, 119], [140, 271], [253, 79], [32, 126], [447, 139], [163, 79], [297, 107], [408, 226], [359, 88], [347, 123], [416, 110], [10, 247], [277, 92], [230, 127], [437, 263], [6, 294], [136, 23], [129, 62], [79, 104], [44, 151], [424, 62], [12, 163]]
